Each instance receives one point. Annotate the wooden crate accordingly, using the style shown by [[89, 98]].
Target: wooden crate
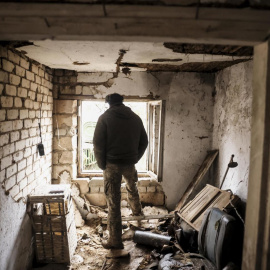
[[193, 212], [52, 216]]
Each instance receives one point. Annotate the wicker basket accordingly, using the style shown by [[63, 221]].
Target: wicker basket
[[52, 215]]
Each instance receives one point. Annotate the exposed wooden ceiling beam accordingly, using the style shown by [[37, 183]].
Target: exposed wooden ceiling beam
[[25, 21]]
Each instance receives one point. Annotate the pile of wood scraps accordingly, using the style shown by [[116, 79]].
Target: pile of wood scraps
[[210, 197]]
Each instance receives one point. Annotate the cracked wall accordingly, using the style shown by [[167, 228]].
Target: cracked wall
[[232, 123], [26, 92], [188, 117]]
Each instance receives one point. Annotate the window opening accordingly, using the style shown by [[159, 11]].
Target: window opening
[[90, 112], [152, 115]]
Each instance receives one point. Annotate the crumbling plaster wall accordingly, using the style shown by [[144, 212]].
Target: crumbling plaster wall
[[232, 123], [25, 90], [188, 118]]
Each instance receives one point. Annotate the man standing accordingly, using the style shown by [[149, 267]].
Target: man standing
[[119, 142]]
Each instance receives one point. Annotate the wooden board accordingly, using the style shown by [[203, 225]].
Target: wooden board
[[25, 21], [208, 197], [209, 159]]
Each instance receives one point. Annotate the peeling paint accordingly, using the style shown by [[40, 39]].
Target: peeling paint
[[232, 125], [80, 63], [209, 49], [167, 60], [206, 67]]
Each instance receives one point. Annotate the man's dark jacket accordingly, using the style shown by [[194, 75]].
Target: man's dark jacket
[[119, 137]]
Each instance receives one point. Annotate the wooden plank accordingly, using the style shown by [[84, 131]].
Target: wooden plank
[[134, 218], [202, 204], [220, 202], [135, 11], [207, 198], [133, 23], [201, 194], [257, 229], [209, 159]]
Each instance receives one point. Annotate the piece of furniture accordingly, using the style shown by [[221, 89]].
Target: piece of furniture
[[51, 212], [219, 238]]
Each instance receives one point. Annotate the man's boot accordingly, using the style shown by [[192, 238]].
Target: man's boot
[[109, 244]]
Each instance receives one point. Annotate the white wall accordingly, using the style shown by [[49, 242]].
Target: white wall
[[15, 234], [232, 123], [189, 117]]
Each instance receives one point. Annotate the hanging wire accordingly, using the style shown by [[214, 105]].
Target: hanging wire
[[235, 209]]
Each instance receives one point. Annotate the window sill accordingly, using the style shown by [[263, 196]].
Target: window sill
[[141, 175]]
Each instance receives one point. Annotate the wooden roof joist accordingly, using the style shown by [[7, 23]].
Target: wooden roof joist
[[34, 21]]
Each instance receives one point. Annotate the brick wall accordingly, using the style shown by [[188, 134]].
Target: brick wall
[[64, 141], [26, 90]]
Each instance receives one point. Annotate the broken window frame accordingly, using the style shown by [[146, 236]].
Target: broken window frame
[[156, 113]]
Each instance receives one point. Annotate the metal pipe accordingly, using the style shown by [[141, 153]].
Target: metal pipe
[[151, 239]]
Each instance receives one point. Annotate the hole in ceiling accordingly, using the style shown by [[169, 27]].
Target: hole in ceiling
[[77, 63]]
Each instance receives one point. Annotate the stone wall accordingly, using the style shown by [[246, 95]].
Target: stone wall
[[150, 191], [65, 128], [26, 90], [232, 124]]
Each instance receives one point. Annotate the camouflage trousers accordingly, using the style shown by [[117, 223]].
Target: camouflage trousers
[[112, 188]]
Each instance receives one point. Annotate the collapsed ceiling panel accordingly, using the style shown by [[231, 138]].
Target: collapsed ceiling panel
[[98, 56]]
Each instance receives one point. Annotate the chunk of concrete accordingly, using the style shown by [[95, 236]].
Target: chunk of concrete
[[97, 199], [79, 222], [75, 193], [83, 184]]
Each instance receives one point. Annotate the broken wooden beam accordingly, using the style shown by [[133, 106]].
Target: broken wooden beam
[[134, 218], [209, 159]]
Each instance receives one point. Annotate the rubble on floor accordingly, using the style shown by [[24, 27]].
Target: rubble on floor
[[91, 255], [158, 240]]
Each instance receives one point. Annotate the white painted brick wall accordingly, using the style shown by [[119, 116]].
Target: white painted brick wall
[[14, 79], [6, 102], [20, 145], [13, 57], [17, 102], [4, 77], [12, 114], [18, 156], [24, 134], [6, 161], [24, 91], [7, 65], [24, 114], [4, 139], [21, 164], [24, 63], [34, 69], [11, 90], [2, 115], [17, 124], [6, 126], [20, 71], [25, 83], [8, 149], [21, 176], [11, 170], [30, 76], [10, 182], [14, 136]]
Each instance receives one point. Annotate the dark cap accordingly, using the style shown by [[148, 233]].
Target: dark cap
[[114, 98]]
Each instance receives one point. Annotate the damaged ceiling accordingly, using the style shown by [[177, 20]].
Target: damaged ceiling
[[98, 56]]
